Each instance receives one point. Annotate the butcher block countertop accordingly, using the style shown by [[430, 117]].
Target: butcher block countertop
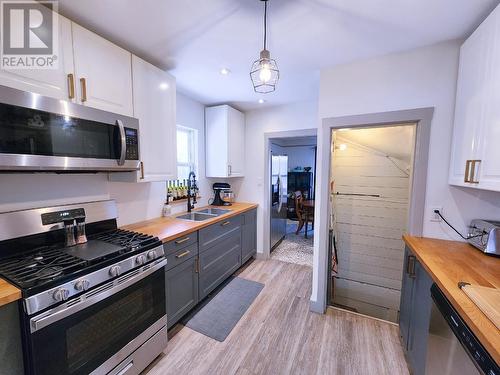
[[449, 262], [8, 293], [170, 228]]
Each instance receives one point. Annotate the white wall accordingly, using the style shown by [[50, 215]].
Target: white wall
[[300, 156], [295, 116], [136, 202], [424, 77]]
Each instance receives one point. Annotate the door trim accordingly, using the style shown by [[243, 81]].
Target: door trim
[[266, 207], [422, 117]]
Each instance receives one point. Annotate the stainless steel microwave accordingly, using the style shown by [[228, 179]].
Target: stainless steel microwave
[[42, 134]]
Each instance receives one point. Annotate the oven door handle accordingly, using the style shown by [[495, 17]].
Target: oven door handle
[[123, 142], [91, 297]]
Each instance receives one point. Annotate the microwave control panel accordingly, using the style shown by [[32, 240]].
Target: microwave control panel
[[132, 142]]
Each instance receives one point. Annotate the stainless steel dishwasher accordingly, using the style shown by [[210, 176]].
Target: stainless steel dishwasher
[[452, 348]]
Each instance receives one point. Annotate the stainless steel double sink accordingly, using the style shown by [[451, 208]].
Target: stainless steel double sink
[[204, 214]]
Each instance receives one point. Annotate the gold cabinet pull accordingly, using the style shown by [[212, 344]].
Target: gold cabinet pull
[[473, 171], [410, 266], [181, 241], [142, 170], [467, 171], [225, 223], [83, 85], [71, 86], [181, 255], [197, 265]]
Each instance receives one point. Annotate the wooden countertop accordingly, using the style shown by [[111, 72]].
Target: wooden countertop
[[170, 228], [8, 293], [449, 262]]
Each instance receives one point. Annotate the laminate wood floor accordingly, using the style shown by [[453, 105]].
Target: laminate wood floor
[[279, 335]]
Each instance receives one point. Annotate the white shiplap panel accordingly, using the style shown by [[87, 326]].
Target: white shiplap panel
[[389, 243], [372, 250], [369, 229], [365, 292]]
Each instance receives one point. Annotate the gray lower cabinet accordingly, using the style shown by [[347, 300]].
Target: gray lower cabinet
[[11, 353], [415, 312], [220, 231], [199, 262], [218, 263], [248, 235], [181, 289]]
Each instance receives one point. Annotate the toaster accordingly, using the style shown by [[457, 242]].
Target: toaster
[[485, 235]]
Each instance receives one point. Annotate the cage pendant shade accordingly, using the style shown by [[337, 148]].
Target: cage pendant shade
[[264, 72]]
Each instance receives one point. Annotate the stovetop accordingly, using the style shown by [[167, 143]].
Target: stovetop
[[45, 266]]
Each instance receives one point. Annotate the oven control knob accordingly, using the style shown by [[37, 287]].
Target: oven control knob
[[115, 271], [82, 285], [141, 259], [151, 254], [61, 294]]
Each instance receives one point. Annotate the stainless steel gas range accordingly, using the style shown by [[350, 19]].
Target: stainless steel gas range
[[93, 295]]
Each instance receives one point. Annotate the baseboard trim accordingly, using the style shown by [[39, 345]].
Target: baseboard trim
[[261, 256], [317, 307]]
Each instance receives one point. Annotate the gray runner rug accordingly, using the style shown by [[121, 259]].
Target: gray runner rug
[[218, 317]]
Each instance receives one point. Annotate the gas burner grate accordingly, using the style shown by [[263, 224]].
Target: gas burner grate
[[45, 263], [126, 239]]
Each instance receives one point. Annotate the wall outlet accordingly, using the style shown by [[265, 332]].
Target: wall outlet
[[435, 216]]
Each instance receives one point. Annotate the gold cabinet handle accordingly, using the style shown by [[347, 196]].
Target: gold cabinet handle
[[467, 171], [197, 265], [71, 86], [181, 255], [410, 266], [83, 85], [181, 241], [473, 171], [225, 223], [142, 170]]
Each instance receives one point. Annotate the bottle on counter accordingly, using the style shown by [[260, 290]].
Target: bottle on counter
[[174, 191], [167, 208]]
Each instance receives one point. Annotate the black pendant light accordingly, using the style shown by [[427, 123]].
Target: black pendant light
[[264, 72]]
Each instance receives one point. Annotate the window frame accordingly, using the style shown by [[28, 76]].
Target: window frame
[[192, 163]]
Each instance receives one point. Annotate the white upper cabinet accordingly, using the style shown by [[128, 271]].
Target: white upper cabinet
[[225, 142], [54, 83], [154, 106], [475, 158], [103, 72]]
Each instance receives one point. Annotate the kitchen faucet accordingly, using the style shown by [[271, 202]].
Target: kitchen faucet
[[192, 190]]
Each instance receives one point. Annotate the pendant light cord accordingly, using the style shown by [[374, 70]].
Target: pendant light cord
[[265, 23]]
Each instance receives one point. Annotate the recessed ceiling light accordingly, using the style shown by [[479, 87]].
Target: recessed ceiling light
[[163, 86], [261, 101], [225, 71]]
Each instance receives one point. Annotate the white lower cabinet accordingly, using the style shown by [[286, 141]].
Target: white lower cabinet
[[54, 83], [475, 157], [154, 106], [103, 73]]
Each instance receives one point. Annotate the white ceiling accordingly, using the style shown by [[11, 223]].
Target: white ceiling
[[396, 140], [194, 39]]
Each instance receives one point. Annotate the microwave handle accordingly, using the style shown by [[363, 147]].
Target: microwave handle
[[62, 312], [123, 142]]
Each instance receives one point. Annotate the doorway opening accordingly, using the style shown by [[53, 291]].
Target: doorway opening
[[370, 185], [292, 186]]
